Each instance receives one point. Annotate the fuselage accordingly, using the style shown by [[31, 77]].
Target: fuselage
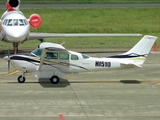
[[15, 27], [60, 62]]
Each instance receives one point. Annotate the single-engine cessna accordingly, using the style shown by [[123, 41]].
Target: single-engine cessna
[[53, 61], [15, 27]]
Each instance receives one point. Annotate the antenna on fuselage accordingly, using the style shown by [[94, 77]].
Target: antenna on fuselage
[[62, 43]]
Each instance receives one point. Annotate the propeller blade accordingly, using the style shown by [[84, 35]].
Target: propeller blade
[[8, 61], [9, 66]]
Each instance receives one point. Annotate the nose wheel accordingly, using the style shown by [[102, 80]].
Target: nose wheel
[[21, 78]]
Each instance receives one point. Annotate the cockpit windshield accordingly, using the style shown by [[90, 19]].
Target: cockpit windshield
[[37, 52], [15, 22]]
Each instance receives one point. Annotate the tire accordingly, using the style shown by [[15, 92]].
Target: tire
[[21, 79], [54, 79]]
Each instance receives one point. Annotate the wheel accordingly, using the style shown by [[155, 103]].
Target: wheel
[[21, 79], [54, 79]]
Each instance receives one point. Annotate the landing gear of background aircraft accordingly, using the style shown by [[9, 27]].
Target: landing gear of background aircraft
[[54, 79], [15, 46], [21, 79]]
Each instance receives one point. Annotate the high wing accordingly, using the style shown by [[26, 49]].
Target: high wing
[[33, 36]]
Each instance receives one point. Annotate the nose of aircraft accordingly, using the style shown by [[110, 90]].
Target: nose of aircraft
[[17, 35], [7, 58]]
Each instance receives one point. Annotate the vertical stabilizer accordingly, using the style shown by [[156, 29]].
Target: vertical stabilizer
[[137, 55], [144, 46]]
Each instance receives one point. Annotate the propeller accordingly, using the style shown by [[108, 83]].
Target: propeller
[[9, 61]]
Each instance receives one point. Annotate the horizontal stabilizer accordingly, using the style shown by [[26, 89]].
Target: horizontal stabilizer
[[130, 63]]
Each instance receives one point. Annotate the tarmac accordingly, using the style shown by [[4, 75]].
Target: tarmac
[[127, 94]]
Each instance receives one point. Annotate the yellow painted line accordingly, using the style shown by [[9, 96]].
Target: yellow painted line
[[97, 82], [157, 83], [11, 73]]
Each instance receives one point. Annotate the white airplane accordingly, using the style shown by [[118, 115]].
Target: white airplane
[[53, 61], [15, 27]]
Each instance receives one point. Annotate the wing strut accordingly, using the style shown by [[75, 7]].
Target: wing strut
[[42, 58]]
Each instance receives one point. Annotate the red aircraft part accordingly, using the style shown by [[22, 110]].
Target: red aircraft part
[[9, 8], [35, 20]]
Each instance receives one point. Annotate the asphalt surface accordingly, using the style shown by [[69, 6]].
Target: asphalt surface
[[127, 94], [84, 6]]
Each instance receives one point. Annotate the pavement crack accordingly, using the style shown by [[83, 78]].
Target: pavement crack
[[79, 102]]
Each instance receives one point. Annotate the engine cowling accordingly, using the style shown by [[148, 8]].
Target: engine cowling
[[35, 20], [12, 5]]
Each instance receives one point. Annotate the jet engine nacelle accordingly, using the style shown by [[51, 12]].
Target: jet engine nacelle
[[12, 5], [35, 20]]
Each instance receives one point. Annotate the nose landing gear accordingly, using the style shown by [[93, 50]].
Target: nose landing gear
[[21, 78], [15, 46]]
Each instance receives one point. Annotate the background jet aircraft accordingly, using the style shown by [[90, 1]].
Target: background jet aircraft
[[15, 27]]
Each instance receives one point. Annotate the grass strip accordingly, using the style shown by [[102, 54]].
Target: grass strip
[[127, 20]]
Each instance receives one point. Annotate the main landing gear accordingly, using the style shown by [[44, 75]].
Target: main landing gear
[[54, 79]]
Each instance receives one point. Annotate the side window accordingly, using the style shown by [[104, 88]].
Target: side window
[[74, 57], [85, 56], [64, 56], [51, 55]]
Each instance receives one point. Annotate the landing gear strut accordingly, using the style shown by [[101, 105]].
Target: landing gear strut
[[15, 46], [54, 79], [21, 78]]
